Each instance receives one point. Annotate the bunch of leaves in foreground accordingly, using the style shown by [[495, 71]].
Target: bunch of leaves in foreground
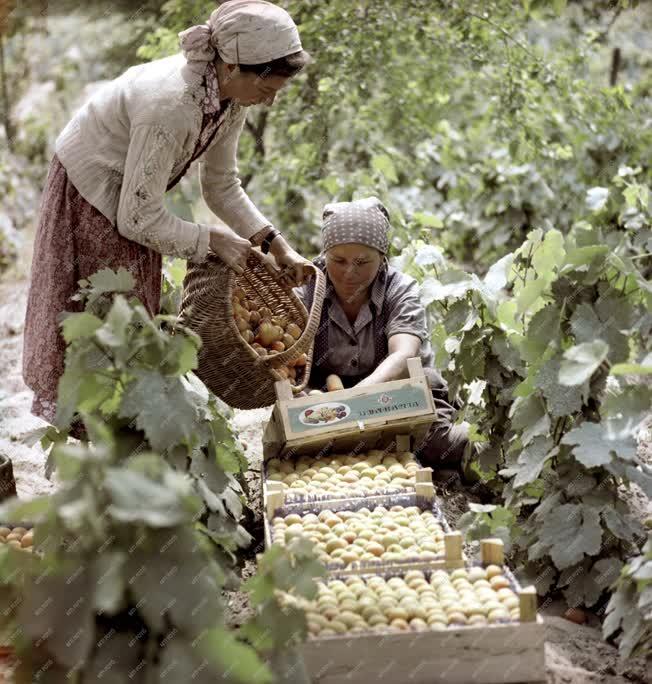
[[629, 612], [144, 530], [134, 373], [124, 587], [544, 350]]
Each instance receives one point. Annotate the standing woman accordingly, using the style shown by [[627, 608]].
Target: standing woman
[[102, 205]]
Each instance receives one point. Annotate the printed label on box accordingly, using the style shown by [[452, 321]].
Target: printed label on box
[[407, 399]]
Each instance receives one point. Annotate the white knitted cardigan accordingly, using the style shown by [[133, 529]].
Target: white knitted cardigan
[[135, 135]]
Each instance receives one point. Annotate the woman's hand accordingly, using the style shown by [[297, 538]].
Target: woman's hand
[[295, 270], [230, 247]]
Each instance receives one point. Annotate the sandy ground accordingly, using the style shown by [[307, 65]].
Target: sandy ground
[[574, 654]]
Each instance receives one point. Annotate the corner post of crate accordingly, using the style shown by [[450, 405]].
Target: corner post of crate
[[424, 475], [425, 490], [415, 369], [527, 598], [453, 547], [492, 552], [275, 500], [283, 390], [402, 443]]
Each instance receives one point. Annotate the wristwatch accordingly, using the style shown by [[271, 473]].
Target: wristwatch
[[267, 242]]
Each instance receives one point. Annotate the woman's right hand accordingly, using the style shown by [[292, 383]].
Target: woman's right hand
[[230, 247]]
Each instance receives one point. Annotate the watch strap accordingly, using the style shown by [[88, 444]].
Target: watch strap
[[267, 242]]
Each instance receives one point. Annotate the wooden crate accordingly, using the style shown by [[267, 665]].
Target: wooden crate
[[399, 443], [453, 557], [375, 414], [486, 654]]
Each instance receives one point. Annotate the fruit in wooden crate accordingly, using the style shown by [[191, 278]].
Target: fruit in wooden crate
[[346, 537], [415, 601], [356, 475], [266, 333], [18, 537]]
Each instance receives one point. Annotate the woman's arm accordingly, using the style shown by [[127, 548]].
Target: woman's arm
[[223, 193], [221, 187], [402, 347], [141, 215]]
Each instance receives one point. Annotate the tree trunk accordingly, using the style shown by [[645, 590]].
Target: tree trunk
[[4, 93], [615, 66]]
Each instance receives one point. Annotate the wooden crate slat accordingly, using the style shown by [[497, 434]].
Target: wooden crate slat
[[482, 655]]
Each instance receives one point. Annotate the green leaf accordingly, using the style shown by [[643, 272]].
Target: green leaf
[[532, 459], [429, 255], [498, 274], [385, 166], [542, 333], [561, 400], [631, 369], [581, 361], [530, 293], [137, 498], [79, 326], [107, 281], [529, 415], [594, 445], [584, 323], [163, 410], [623, 526], [583, 256], [596, 198], [114, 331], [428, 220], [110, 582], [236, 658], [571, 531], [550, 255]]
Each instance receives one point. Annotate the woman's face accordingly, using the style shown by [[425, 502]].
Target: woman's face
[[352, 268], [247, 88]]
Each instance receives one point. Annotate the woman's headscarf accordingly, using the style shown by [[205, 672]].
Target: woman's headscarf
[[364, 221], [241, 32]]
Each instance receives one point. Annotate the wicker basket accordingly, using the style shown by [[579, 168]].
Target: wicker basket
[[228, 366]]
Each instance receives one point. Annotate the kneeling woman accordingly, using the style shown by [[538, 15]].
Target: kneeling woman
[[373, 321]]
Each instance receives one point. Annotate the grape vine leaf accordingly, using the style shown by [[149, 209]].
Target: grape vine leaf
[[162, 409], [581, 361], [561, 400], [113, 332], [596, 198], [529, 415], [584, 323], [77, 326], [532, 459], [594, 444], [571, 531]]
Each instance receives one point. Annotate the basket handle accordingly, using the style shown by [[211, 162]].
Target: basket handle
[[314, 318]]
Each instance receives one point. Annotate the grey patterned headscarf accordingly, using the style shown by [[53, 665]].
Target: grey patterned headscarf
[[364, 221]]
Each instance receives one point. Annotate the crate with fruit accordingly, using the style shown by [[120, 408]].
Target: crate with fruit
[[340, 476], [472, 623], [18, 537], [360, 536]]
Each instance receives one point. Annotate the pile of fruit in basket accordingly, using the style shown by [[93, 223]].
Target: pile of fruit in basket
[[18, 537], [266, 333]]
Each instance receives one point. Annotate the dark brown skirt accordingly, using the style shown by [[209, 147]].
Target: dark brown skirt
[[73, 240]]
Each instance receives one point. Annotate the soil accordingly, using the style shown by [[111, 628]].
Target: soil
[[574, 653]]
